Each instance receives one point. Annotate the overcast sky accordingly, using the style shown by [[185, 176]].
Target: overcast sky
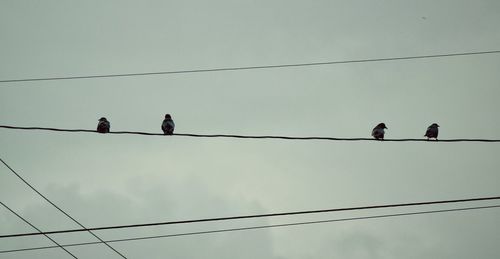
[[106, 180]]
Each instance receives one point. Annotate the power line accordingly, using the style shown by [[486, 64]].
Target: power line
[[249, 137], [250, 67], [61, 210], [279, 214], [256, 227], [37, 229]]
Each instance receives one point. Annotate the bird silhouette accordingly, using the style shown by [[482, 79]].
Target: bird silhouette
[[103, 125], [432, 131], [168, 125], [378, 132]]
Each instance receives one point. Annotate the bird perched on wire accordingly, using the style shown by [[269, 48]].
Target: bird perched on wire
[[103, 125], [432, 131], [168, 125], [378, 132]]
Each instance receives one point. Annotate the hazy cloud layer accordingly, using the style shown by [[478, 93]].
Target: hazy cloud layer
[[116, 179]]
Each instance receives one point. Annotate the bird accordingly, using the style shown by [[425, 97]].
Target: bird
[[103, 125], [378, 132], [168, 125], [432, 131]]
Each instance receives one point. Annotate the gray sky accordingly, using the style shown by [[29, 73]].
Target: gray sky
[[117, 179]]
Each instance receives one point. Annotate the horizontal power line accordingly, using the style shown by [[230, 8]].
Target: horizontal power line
[[256, 216], [249, 137], [255, 228], [250, 67]]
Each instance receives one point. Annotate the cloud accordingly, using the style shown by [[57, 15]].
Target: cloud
[[148, 202]]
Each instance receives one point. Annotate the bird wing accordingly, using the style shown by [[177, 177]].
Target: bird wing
[[431, 132], [103, 126], [167, 125], [427, 132], [164, 125], [377, 132]]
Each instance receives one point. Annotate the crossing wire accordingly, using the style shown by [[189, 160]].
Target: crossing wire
[[247, 136], [257, 227], [250, 67], [37, 229], [61, 210], [279, 214]]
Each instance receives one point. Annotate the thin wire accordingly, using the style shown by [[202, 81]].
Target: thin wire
[[37, 229], [304, 212], [248, 137], [250, 67], [257, 227], [58, 208]]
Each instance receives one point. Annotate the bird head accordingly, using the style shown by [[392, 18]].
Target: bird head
[[167, 116], [381, 126], [434, 125], [102, 119]]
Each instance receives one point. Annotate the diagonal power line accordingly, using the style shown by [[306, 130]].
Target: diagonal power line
[[249, 67], [37, 229], [61, 210], [247, 136], [279, 214], [257, 227]]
